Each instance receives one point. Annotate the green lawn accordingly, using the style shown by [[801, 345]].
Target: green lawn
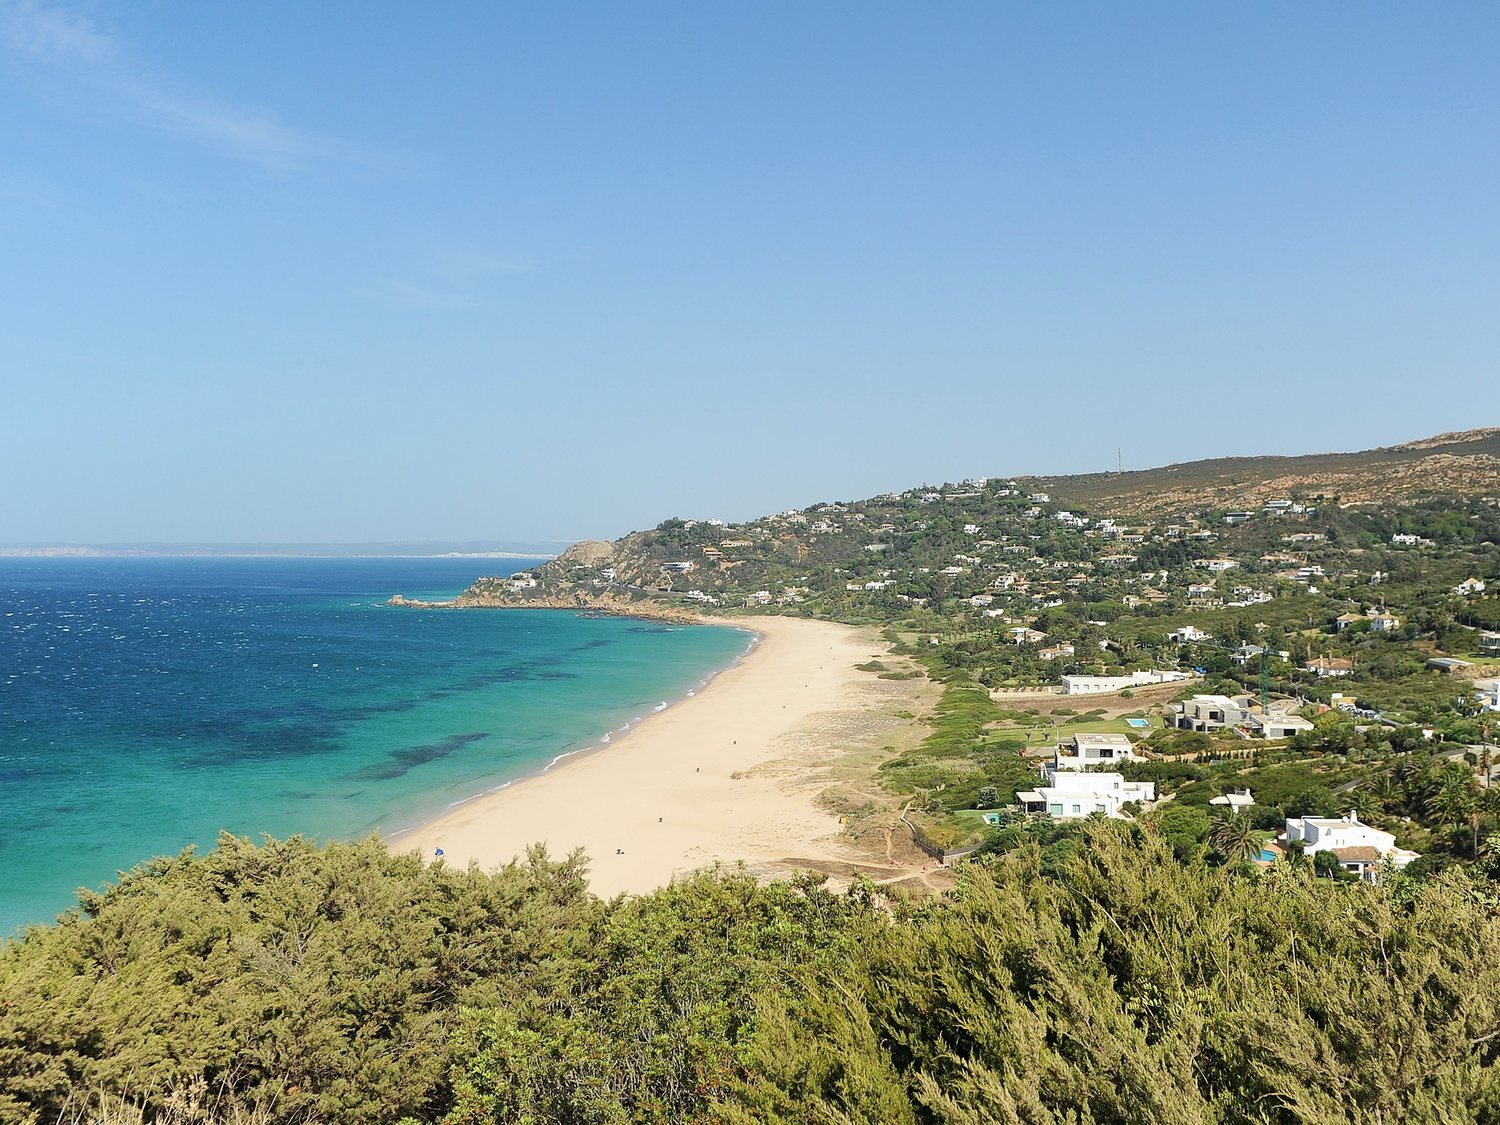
[[1066, 730]]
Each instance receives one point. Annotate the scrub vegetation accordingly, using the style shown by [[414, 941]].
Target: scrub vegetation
[[1090, 978]]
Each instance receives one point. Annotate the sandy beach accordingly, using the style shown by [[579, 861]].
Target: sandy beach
[[731, 774]]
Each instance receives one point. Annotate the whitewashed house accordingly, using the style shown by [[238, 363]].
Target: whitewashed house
[[1074, 795], [1100, 685], [1090, 750], [1325, 666], [1359, 848], [1487, 692], [1238, 801]]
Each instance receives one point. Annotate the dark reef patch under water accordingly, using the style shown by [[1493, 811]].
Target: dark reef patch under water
[[405, 760]]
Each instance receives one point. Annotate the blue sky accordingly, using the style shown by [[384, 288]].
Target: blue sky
[[346, 272]]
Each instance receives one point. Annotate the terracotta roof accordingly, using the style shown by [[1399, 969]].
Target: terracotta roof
[[1361, 854]]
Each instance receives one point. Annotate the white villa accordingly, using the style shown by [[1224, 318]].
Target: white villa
[[1238, 801], [1325, 666], [1359, 847], [1095, 750], [1073, 795], [1215, 712], [1487, 692]]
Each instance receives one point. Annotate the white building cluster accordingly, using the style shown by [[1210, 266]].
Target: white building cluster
[[1074, 789]]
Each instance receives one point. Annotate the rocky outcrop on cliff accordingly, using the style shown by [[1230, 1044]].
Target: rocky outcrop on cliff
[[590, 552]]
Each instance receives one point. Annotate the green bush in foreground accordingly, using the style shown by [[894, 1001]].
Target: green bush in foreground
[[288, 981], [1133, 989], [1105, 983]]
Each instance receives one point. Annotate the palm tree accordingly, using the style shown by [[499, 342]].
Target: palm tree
[[1232, 837], [1387, 789], [1453, 802], [1327, 864], [1366, 803]]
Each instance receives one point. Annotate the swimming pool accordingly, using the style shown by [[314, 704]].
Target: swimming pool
[[1138, 724]]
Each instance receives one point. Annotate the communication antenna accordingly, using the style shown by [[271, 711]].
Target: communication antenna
[[1119, 460]]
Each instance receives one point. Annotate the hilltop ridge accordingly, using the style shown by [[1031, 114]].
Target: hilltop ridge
[[951, 541], [1465, 463]]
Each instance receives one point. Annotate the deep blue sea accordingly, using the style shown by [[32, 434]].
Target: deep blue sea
[[146, 704]]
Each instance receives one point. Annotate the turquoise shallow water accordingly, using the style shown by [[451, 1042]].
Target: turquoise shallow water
[[147, 704]]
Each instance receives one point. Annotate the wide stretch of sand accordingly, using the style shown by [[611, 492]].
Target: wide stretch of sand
[[727, 775]]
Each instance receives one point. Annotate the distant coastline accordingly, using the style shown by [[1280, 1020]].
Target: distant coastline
[[644, 610], [287, 551]]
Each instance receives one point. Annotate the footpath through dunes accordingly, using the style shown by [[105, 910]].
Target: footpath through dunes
[[749, 770]]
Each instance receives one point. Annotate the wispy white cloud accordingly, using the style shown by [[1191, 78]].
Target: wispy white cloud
[[100, 80], [405, 295], [241, 132], [47, 32]]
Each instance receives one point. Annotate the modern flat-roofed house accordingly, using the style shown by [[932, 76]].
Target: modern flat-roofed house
[[1187, 633], [1359, 848], [1277, 726], [1487, 692], [1095, 750], [1206, 713], [1100, 685], [1073, 795], [1449, 664]]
